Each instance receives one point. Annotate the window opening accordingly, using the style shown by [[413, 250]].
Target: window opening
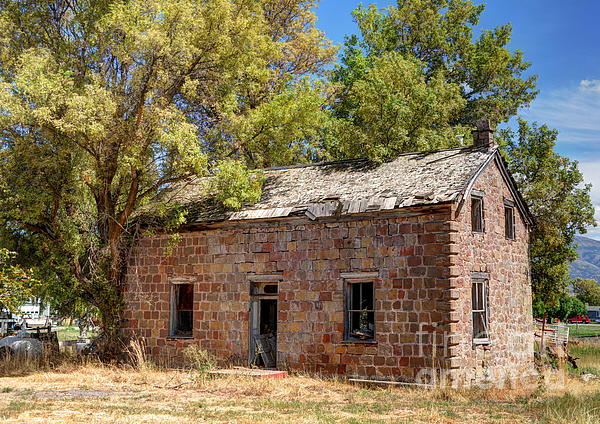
[[360, 311], [182, 310]]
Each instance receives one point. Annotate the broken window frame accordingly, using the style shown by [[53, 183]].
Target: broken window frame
[[509, 227], [477, 215], [174, 318], [480, 309], [348, 311]]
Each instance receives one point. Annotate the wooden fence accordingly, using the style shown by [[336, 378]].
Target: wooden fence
[[554, 334]]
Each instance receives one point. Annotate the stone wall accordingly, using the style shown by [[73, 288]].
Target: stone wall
[[509, 354], [423, 259], [411, 255]]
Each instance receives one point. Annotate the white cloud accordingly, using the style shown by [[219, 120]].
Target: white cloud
[[574, 111], [590, 86], [591, 174]]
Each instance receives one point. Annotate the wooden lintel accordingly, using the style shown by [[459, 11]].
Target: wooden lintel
[[181, 280], [359, 275], [267, 277]]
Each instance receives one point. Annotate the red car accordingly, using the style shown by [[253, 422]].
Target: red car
[[581, 320]]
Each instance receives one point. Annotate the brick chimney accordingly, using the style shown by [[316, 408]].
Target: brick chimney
[[483, 136]]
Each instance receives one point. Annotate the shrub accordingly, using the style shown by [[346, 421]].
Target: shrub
[[200, 361]]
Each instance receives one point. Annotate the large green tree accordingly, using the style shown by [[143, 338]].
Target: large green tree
[[462, 78], [416, 77], [396, 108], [587, 290], [567, 307], [559, 200], [103, 103]]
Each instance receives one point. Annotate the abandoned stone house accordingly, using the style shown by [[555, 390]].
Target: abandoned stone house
[[403, 270]]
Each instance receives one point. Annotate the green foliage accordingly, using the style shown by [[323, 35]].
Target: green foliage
[[438, 35], [17, 285], [416, 77], [539, 307], [588, 291], [235, 185], [200, 360], [569, 307], [553, 187], [104, 103], [564, 307], [395, 108], [286, 130]]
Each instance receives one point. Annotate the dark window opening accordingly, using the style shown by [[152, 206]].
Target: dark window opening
[[509, 222], [477, 214], [182, 310], [479, 299], [270, 289], [360, 312]]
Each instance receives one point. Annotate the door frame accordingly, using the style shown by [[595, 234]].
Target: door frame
[[256, 295]]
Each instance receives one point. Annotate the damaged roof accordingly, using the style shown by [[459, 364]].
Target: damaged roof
[[348, 187]]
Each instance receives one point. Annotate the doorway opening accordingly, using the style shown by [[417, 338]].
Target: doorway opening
[[263, 324]]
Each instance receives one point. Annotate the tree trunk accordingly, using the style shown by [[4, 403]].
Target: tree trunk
[[110, 306], [108, 297]]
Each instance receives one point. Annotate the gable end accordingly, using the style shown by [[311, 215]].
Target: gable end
[[508, 180]]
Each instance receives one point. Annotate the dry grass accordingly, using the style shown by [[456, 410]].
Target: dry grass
[[91, 392], [588, 354]]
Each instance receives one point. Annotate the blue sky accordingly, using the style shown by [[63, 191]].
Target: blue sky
[[562, 41]]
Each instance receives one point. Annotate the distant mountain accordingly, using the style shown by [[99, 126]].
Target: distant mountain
[[588, 264]]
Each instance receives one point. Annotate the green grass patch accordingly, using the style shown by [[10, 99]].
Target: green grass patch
[[587, 356], [584, 330], [72, 333], [17, 407]]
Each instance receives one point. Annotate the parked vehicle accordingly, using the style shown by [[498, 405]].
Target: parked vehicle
[[579, 320]]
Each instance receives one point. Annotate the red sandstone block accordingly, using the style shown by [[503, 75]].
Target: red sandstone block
[[348, 359], [405, 228], [417, 271], [406, 251], [379, 360], [417, 362], [371, 349], [325, 296], [434, 249], [436, 227], [416, 228], [370, 371], [426, 238]]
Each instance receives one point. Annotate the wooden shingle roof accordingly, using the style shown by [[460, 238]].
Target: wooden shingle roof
[[349, 187]]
